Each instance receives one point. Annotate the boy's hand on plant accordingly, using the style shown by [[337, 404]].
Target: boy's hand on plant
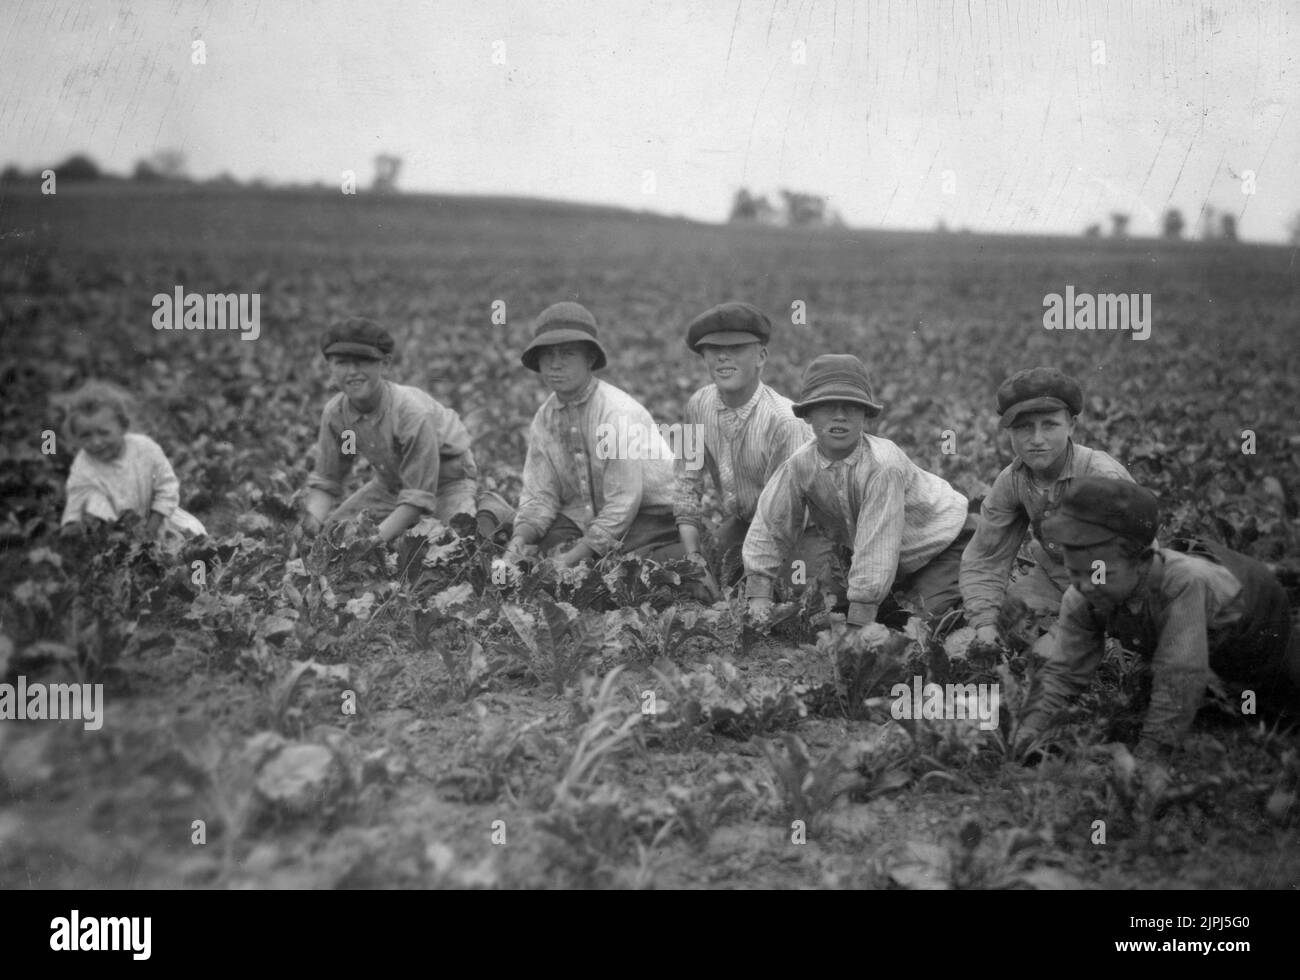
[[74, 530], [1024, 747], [709, 584], [1153, 782], [988, 636], [311, 525], [759, 613]]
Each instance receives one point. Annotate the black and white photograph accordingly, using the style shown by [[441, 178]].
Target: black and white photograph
[[650, 445]]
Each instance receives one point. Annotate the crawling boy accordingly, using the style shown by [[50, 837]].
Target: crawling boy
[[1039, 408], [418, 448], [1186, 615], [904, 528]]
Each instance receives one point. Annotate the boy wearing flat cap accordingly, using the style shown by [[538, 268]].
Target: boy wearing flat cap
[[1186, 615], [579, 498], [1038, 407], [748, 431], [900, 527], [418, 448]]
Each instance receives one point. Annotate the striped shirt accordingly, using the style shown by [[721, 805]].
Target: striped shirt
[[1013, 508], [893, 515], [743, 447], [412, 442], [565, 471]]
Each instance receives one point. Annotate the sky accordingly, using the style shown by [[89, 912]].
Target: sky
[[1041, 116]]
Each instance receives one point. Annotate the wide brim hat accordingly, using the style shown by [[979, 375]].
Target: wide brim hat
[[563, 323], [836, 378]]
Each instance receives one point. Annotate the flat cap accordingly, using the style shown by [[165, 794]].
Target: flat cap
[[836, 378], [563, 323], [1095, 509], [357, 337], [1040, 389], [728, 325]]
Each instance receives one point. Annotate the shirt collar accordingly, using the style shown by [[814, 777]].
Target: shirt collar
[[583, 395], [745, 410], [1150, 585], [350, 413], [852, 459]]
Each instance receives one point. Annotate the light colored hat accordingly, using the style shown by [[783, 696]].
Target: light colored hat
[[836, 378]]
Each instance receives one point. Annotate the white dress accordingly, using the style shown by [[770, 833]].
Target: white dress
[[141, 479]]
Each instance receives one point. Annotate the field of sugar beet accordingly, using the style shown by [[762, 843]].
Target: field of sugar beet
[[601, 730]]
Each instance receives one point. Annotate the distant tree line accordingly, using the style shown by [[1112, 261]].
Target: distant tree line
[[1215, 226], [798, 210], [170, 165]]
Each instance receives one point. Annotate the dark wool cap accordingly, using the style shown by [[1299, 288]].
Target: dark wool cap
[[1096, 509], [1040, 389], [836, 378], [563, 323], [357, 337], [728, 325]]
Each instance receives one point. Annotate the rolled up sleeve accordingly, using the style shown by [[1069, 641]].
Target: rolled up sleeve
[[1069, 665], [539, 501], [778, 520], [419, 463], [877, 542], [987, 561], [1180, 667], [332, 464], [688, 494], [621, 485]]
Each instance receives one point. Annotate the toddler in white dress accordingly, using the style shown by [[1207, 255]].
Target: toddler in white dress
[[116, 471]]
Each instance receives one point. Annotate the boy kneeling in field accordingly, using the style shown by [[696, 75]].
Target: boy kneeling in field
[[418, 448], [598, 476], [1188, 616], [895, 525], [748, 430], [1039, 407]]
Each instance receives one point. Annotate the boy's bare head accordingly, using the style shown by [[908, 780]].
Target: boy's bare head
[[1109, 573], [1042, 439], [98, 415]]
